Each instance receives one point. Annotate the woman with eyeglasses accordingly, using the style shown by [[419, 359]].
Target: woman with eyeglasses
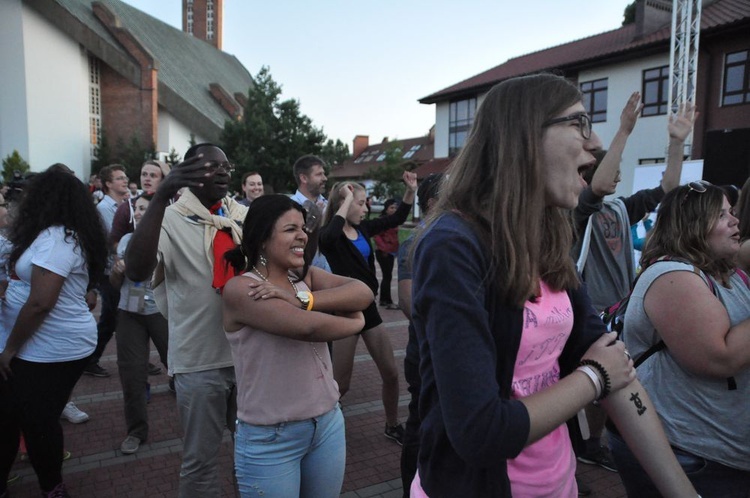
[[290, 438], [510, 345], [688, 326], [57, 253]]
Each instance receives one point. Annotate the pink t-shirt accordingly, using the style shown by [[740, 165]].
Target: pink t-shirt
[[547, 467]]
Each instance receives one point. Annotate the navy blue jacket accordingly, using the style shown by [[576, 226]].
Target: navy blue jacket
[[468, 342]]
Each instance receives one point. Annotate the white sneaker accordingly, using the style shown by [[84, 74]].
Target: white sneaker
[[72, 414]]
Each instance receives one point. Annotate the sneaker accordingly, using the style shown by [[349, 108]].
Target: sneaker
[[67, 455], [96, 370], [72, 414], [130, 445], [153, 369], [583, 488], [60, 491], [392, 306], [601, 457], [396, 433]]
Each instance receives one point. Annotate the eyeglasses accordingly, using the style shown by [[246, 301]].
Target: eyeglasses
[[4, 204], [584, 123], [212, 166], [698, 187]]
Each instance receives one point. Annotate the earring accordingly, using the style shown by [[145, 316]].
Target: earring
[[263, 260]]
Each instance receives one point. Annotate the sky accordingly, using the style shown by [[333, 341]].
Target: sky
[[359, 67]]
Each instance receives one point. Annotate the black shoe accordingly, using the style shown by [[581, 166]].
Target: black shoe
[[583, 488], [601, 457], [153, 369], [396, 433], [96, 370]]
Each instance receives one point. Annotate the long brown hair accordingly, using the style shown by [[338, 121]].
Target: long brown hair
[[681, 230], [496, 183], [336, 199]]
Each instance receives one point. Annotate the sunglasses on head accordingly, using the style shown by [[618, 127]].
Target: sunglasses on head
[[699, 187]]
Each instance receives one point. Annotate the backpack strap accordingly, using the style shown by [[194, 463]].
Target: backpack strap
[[585, 244]]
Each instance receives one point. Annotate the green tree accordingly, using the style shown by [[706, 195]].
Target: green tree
[[335, 152], [628, 16], [271, 135], [387, 176], [102, 153], [173, 158], [12, 163], [131, 154]]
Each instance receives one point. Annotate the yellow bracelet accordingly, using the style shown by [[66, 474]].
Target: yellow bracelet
[[310, 304]]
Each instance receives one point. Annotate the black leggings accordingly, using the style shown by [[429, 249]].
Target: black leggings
[[31, 401], [385, 260]]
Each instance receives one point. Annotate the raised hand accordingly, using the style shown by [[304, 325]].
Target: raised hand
[[681, 123], [410, 179], [630, 112], [189, 173]]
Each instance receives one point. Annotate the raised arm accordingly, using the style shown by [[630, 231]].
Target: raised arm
[[608, 172], [140, 256], [680, 126]]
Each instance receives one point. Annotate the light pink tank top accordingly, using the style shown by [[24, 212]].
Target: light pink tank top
[[281, 379]]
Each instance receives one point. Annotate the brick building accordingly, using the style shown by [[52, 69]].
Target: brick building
[[74, 70]]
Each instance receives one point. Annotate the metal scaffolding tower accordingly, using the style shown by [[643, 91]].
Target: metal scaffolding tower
[[683, 56]]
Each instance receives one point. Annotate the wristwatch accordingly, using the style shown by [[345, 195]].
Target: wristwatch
[[306, 299]]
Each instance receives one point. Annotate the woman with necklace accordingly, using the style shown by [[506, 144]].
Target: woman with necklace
[[290, 430]]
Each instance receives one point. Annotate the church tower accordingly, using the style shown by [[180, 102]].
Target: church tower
[[203, 19]]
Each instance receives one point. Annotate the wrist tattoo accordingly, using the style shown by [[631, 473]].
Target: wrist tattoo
[[639, 406]]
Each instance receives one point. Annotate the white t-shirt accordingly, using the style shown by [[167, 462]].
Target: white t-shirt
[[69, 331]]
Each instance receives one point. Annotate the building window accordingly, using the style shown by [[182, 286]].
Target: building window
[[595, 99], [655, 91], [95, 105], [736, 88], [210, 20], [461, 118], [189, 15], [412, 151]]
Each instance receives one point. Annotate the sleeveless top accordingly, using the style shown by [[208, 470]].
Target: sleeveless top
[[700, 414], [281, 379]]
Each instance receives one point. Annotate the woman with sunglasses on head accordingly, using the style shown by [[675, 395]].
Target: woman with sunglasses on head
[[345, 242], [510, 345], [688, 322], [290, 431]]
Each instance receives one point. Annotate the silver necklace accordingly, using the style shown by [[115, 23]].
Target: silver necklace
[[294, 286]]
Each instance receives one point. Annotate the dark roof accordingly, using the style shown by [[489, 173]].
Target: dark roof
[[579, 54], [416, 150], [186, 65], [437, 165]]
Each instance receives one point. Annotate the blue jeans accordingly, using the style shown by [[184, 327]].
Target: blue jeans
[[710, 479], [304, 458]]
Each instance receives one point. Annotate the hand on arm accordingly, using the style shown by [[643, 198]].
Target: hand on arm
[[553, 406], [144, 244], [279, 317], [679, 127], [45, 290], [608, 171], [347, 193]]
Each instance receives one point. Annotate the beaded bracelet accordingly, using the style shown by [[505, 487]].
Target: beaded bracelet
[[594, 378], [603, 376]]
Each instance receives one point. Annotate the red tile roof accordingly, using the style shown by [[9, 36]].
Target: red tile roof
[[368, 157], [581, 53]]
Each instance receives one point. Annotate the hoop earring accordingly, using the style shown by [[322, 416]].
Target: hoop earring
[[262, 260]]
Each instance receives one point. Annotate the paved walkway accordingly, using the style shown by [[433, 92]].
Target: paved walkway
[[98, 469]]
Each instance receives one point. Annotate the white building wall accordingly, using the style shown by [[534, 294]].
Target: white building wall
[[442, 119], [45, 92], [173, 133], [13, 116], [650, 138]]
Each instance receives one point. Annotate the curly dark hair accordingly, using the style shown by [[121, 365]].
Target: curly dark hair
[[57, 198]]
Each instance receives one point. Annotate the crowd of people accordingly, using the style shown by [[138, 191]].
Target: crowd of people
[[256, 305]]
